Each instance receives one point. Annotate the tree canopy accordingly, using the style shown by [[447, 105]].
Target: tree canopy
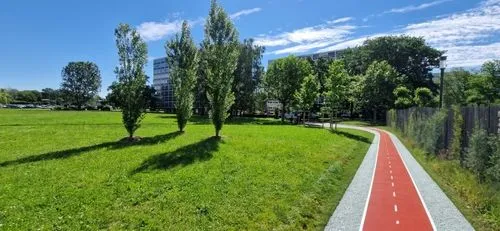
[[182, 60], [220, 50], [284, 77], [132, 53], [81, 81]]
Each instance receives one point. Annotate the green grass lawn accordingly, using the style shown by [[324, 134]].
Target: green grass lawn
[[479, 202], [70, 171]]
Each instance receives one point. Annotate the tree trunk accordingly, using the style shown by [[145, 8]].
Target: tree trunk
[[283, 113], [217, 133], [304, 117]]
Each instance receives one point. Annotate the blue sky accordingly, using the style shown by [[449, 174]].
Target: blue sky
[[40, 37]]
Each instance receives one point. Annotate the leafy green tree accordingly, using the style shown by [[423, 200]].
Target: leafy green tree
[[492, 70], [336, 87], [132, 53], [424, 98], [5, 97], [456, 84], [81, 81], [27, 96], [307, 94], [403, 98], [481, 90], [320, 69], [283, 79], [182, 60], [409, 56], [220, 54], [378, 86], [247, 76]]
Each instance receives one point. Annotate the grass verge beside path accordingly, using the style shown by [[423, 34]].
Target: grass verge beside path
[[69, 170], [480, 203]]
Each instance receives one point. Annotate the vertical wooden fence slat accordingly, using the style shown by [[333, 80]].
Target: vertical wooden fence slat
[[485, 117]]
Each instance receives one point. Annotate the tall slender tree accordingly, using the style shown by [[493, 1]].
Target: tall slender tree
[[133, 56], [182, 61], [337, 87], [307, 94], [247, 76], [220, 55]]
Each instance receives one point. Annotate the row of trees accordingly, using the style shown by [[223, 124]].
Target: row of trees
[[209, 70], [383, 73], [46, 95]]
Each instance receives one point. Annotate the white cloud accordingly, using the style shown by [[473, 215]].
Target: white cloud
[[244, 12], [152, 31], [307, 38], [410, 8], [461, 28], [350, 43], [473, 55], [340, 20]]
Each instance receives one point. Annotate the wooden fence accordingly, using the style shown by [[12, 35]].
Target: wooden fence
[[485, 117]]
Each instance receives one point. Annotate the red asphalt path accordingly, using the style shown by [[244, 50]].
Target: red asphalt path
[[393, 203]]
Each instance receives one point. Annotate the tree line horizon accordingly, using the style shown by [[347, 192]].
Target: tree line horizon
[[227, 77]]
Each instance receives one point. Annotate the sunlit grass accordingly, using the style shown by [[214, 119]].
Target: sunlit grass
[[70, 171]]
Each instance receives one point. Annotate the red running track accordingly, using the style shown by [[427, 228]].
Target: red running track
[[394, 203]]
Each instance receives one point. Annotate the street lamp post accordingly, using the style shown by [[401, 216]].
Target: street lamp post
[[442, 66]]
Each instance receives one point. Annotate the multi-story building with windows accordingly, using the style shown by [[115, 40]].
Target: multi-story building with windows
[[163, 84]]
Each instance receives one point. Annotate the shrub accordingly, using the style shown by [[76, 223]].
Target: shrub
[[456, 141], [494, 169], [478, 155], [431, 132]]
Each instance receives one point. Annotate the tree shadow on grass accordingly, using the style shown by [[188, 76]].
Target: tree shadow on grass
[[200, 151], [124, 143], [351, 136]]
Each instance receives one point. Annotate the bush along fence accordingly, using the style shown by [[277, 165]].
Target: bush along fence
[[468, 134]]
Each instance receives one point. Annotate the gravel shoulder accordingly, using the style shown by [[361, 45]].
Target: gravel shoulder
[[349, 213]]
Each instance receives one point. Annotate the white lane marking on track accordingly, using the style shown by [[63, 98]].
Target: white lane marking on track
[[393, 194], [392, 184], [397, 222], [392, 178], [396, 208], [412, 180], [390, 171]]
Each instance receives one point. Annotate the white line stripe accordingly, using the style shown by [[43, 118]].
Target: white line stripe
[[397, 222], [393, 194], [371, 184], [392, 178], [392, 184], [390, 171], [415, 185], [395, 208]]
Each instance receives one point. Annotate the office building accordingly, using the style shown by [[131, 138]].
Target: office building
[[163, 84]]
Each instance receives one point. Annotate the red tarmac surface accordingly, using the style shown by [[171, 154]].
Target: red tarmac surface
[[394, 203]]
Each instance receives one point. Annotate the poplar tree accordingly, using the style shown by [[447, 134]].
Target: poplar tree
[[220, 53], [132, 53], [182, 61]]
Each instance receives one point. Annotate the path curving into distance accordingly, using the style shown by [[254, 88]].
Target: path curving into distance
[[391, 191], [394, 202]]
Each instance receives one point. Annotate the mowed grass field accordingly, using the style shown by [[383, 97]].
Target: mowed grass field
[[70, 171]]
